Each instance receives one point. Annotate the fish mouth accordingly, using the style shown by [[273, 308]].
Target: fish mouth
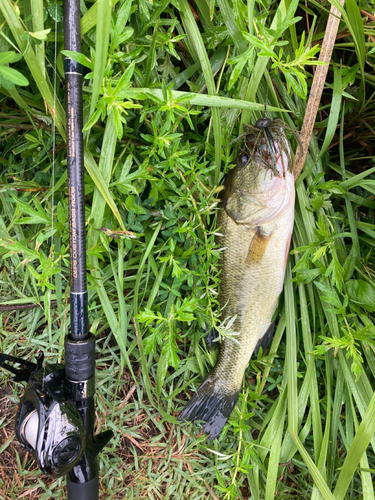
[[265, 152], [266, 143], [272, 158]]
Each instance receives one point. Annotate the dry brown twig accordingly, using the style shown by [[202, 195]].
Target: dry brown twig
[[317, 89]]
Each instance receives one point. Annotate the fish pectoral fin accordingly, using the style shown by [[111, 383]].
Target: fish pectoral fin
[[258, 245], [211, 339], [265, 341]]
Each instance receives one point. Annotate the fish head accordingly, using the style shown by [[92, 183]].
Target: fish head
[[258, 190]]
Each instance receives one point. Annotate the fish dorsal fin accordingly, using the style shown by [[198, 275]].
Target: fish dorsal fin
[[258, 245]]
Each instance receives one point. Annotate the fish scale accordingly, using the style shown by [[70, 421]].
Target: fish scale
[[255, 222], [254, 289]]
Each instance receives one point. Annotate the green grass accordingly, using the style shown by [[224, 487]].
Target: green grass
[[163, 94]]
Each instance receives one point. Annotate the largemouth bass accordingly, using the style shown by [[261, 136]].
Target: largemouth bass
[[256, 222]]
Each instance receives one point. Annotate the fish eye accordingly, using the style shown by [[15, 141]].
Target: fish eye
[[243, 159], [263, 123]]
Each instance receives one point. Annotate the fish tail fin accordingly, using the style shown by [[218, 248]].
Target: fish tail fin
[[212, 406]]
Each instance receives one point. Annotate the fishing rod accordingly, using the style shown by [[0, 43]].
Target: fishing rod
[[56, 414]]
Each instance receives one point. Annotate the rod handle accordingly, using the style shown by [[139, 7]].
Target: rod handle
[[83, 491]]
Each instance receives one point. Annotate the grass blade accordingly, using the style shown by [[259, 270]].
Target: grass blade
[[357, 448], [274, 460], [291, 353], [353, 20], [335, 109], [204, 99], [196, 40], [89, 20], [38, 25], [101, 178], [102, 42], [230, 22]]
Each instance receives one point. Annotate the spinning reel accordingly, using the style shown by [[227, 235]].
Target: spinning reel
[[55, 416]]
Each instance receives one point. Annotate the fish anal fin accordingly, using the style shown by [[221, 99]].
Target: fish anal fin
[[265, 341], [258, 245]]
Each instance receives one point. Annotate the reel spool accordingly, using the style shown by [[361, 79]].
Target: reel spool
[[55, 416], [48, 426]]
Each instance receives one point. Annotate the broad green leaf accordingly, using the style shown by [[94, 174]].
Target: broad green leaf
[[13, 76], [362, 293], [76, 56], [40, 35], [9, 57]]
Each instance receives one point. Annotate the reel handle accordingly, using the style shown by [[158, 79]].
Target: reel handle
[[23, 372]]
